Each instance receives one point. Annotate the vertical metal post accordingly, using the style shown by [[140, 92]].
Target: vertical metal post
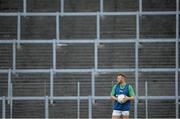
[[90, 107], [78, 101], [96, 55], [101, 6], [46, 108], [11, 102], [51, 86], [57, 26], [24, 6], [98, 26], [18, 29], [9, 86], [3, 107], [62, 6], [146, 94], [140, 6], [52, 72], [14, 55], [97, 41], [93, 85], [177, 59], [54, 54], [136, 65]]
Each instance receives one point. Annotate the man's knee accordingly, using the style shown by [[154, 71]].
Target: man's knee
[[115, 117]]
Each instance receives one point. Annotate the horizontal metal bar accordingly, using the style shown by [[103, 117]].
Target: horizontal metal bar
[[65, 70], [35, 41], [49, 98], [116, 70], [6, 41], [38, 14], [102, 97], [9, 14], [28, 98], [27, 41], [49, 41], [77, 41], [78, 14], [117, 13], [158, 40], [32, 71], [157, 97], [49, 14], [71, 98], [140, 13], [119, 70], [141, 97], [48, 71], [156, 69], [4, 70], [73, 70], [86, 98], [155, 40], [89, 70], [88, 13], [116, 40], [87, 41], [159, 13]]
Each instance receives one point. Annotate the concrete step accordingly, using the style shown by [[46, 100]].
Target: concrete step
[[11, 6], [123, 5], [162, 5], [8, 27], [43, 6]]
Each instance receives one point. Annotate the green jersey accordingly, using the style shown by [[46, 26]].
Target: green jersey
[[130, 88]]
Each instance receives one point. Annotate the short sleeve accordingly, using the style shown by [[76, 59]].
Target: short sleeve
[[113, 91], [131, 91]]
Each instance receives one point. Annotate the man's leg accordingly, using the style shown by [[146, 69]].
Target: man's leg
[[116, 114], [116, 117], [125, 117], [125, 114]]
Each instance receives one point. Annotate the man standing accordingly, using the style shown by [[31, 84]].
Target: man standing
[[121, 108]]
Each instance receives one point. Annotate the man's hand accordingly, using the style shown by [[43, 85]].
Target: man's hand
[[114, 98], [126, 98]]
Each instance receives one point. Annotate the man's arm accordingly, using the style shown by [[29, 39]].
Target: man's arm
[[131, 98], [113, 97], [131, 94]]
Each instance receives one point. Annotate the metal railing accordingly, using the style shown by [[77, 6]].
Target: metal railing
[[55, 42]]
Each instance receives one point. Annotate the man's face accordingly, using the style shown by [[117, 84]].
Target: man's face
[[120, 79]]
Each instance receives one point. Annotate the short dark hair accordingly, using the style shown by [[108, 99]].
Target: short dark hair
[[120, 74]]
